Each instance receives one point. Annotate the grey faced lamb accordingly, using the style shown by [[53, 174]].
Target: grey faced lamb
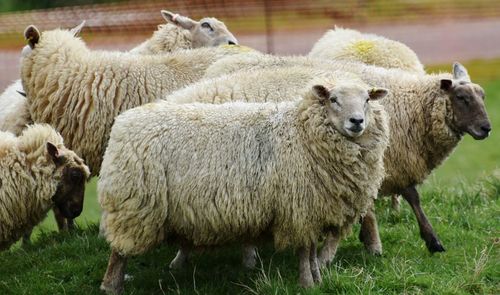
[[351, 45], [37, 173], [212, 174], [80, 92], [181, 32], [429, 115]]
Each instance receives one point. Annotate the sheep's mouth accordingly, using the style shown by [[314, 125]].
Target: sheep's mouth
[[354, 131], [478, 134]]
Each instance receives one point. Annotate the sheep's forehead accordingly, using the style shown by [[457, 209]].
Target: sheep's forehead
[[74, 161], [215, 23], [352, 94], [468, 88]]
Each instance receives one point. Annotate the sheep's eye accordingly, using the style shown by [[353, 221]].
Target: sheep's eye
[[367, 100], [76, 176], [333, 99], [206, 26]]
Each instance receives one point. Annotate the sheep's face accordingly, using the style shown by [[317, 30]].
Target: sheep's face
[[348, 106], [207, 32], [467, 104], [73, 174]]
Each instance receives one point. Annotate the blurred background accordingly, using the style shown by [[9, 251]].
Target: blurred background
[[439, 31]]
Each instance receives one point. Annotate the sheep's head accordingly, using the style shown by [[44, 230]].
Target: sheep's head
[[467, 103], [73, 175], [207, 32], [348, 106], [32, 36]]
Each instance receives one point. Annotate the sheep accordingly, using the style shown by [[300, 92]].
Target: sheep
[[429, 115], [351, 45], [181, 32], [80, 92], [37, 173], [14, 115], [211, 174]]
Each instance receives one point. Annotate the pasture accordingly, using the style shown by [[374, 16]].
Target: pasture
[[461, 198]]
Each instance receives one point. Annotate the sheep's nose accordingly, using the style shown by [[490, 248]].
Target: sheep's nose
[[486, 128], [231, 42], [356, 121]]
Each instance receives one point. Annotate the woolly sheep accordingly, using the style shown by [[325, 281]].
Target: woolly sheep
[[80, 92], [14, 115], [37, 173], [212, 174], [181, 32], [351, 45], [429, 115]]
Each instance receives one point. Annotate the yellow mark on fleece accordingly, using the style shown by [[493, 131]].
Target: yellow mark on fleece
[[363, 47], [239, 48]]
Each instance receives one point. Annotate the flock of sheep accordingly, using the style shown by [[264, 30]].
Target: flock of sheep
[[200, 142]]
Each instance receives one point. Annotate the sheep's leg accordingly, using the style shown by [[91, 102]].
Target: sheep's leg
[[396, 202], [61, 221], [329, 249], [426, 232], [112, 282], [27, 238], [369, 235], [249, 259], [70, 223], [181, 258], [305, 275], [313, 261]]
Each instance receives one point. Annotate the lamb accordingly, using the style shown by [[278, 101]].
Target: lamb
[[429, 116], [212, 174], [77, 90], [181, 32], [351, 45], [37, 173]]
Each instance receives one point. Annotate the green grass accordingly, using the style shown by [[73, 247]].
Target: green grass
[[463, 207]]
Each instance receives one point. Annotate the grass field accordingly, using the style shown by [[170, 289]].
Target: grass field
[[461, 199]]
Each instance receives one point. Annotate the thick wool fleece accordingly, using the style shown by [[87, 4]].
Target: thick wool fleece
[[351, 45], [167, 38], [211, 174], [80, 92], [14, 113], [421, 118], [28, 180]]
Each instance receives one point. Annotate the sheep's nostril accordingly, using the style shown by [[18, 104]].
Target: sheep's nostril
[[231, 42], [486, 128], [356, 121]]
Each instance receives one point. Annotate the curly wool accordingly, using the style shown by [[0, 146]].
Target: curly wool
[[351, 45], [14, 113], [167, 38], [77, 90], [28, 180], [211, 174], [421, 118]]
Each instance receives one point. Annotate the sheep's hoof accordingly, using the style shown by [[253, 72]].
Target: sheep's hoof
[[375, 249], [111, 290], [307, 282], [179, 262], [434, 245]]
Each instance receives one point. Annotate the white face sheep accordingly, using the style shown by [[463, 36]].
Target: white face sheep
[[37, 173], [181, 32], [264, 161]]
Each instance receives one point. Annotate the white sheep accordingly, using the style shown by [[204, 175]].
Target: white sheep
[[351, 45], [428, 116], [37, 173], [212, 174], [80, 92], [181, 32]]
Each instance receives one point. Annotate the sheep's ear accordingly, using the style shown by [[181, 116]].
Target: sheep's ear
[[446, 84], [377, 93], [32, 35], [77, 30], [179, 20], [460, 72], [321, 93], [54, 153]]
